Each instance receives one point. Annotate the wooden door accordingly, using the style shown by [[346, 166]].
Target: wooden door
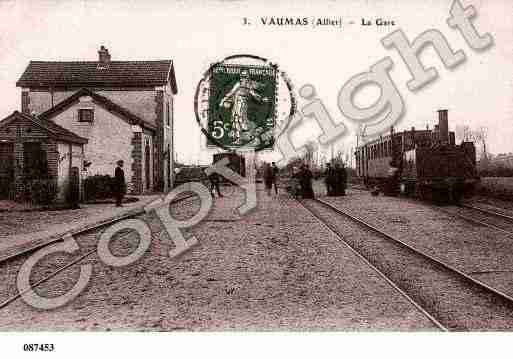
[[6, 169]]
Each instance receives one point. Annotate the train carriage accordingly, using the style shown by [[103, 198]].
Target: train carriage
[[429, 163]]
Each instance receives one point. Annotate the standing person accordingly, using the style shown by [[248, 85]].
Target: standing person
[[343, 180], [305, 180], [328, 179], [214, 184], [337, 180], [268, 178], [119, 183], [295, 183], [274, 176], [340, 181]]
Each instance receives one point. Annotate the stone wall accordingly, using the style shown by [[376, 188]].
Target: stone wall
[[110, 139]]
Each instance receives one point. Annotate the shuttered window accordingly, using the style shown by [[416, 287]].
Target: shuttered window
[[168, 116], [86, 115]]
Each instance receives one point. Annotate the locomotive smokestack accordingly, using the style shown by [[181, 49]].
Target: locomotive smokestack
[[443, 126]]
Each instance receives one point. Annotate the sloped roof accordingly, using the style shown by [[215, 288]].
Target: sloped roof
[[101, 100], [54, 129], [90, 74]]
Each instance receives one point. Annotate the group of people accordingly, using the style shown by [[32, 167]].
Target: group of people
[[301, 182], [305, 176], [335, 178]]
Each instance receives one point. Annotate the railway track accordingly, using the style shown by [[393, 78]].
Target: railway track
[[480, 216], [25, 250], [451, 299], [31, 249], [485, 217]]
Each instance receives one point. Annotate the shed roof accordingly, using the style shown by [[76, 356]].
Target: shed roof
[[52, 128]]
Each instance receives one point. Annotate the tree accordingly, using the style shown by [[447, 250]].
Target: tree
[[309, 155], [465, 133], [479, 136], [295, 162], [339, 159]]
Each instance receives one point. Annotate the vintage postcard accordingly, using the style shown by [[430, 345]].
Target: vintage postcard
[[307, 169]]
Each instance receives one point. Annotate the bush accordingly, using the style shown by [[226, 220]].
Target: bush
[[497, 187], [43, 191], [98, 187], [497, 171]]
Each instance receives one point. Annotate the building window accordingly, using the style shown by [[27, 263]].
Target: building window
[[168, 117], [85, 115]]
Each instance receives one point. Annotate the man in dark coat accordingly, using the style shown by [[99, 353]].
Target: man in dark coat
[[328, 179], [342, 180], [119, 183], [339, 182], [305, 181], [214, 184], [268, 178], [274, 177]]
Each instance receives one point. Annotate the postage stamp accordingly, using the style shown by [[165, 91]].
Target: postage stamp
[[244, 102], [241, 104]]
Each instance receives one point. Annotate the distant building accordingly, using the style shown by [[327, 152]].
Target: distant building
[[504, 159], [123, 109]]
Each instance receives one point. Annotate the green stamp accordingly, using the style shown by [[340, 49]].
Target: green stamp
[[241, 106]]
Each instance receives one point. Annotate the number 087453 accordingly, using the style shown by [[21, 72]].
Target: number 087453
[[38, 347]]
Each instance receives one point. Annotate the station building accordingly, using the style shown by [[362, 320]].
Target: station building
[[111, 109]]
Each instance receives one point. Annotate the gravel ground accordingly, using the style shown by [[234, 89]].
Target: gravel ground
[[22, 222], [493, 204], [15, 222], [476, 215], [455, 302], [477, 250], [275, 269]]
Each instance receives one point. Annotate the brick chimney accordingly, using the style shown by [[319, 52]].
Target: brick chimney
[[443, 126], [103, 56]]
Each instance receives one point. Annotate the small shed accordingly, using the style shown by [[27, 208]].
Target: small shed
[[35, 151]]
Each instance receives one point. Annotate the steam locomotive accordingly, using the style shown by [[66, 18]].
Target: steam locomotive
[[426, 164]]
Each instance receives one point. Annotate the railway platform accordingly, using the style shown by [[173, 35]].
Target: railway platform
[[90, 216]]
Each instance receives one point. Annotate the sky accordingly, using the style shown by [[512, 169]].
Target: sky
[[196, 33]]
